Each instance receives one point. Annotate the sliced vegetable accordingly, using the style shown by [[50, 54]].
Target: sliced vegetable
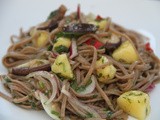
[[87, 111], [62, 44], [99, 18], [62, 67], [150, 88], [31, 66], [80, 28], [61, 49], [52, 109], [78, 11], [73, 49], [106, 73], [125, 53], [67, 35], [113, 43], [49, 77], [97, 44], [83, 90], [135, 103], [148, 47]]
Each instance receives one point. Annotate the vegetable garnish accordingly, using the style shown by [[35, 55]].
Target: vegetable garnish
[[99, 18], [78, 12], [148, 47], [83, 90], [97, 44]]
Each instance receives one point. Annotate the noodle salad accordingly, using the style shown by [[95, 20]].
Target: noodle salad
[[81, 67]]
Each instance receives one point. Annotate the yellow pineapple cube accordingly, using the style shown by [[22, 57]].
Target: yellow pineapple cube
[[125, 53], [62, 67], [106, 73], [135, 103], [102, 24]]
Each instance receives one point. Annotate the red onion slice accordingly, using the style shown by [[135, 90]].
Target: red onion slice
[[49, 77], [73, 50]]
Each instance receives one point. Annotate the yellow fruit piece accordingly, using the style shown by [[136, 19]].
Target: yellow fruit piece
[[135, 103], [62, 67], [102, 24], [41, 39], [62, 41], [125, 53], [106, 73]]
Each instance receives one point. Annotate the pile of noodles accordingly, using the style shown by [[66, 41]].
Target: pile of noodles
[[139, 75]]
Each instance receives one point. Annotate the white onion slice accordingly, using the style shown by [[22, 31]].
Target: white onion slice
[[73, 51], [48, 107], [51, 78], [64, 91], [80, 105], [90, 87]]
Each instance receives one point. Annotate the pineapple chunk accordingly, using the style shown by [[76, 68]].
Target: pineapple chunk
[[62, 44], [135, 103], [62, 67], [125, 53], [41, 39], [106, 73], [102, 24]]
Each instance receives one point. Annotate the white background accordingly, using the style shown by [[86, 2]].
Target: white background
[[133, 14]]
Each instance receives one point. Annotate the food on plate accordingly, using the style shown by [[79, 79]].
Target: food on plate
[[84, 67], [135, 103], [125, 53]]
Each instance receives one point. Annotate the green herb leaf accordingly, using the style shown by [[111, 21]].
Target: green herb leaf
[[68, 35], [61, 49], [146, 111], [81, 88], [49, 48], [47, 92], [41, 84], [77, 88], [7, 79], [94, 96], [89, 115], [33, 105], [52, 14], [129, 100], [109, 114], [55, 113], [134, 94], [99, 75]]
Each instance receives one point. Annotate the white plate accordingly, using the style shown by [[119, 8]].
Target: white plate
[[26, 13]]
